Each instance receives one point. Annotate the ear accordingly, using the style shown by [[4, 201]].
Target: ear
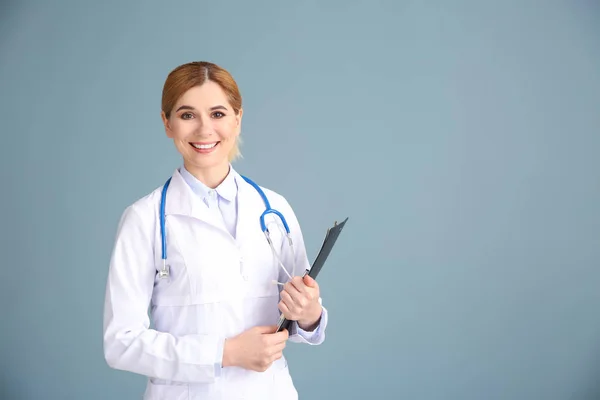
[[238, 121], [166, 124]]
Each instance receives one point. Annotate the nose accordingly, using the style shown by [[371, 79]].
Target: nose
[[204, 128]]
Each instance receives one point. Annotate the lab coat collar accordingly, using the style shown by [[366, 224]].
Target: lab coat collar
[[227, 189], [181, 199]]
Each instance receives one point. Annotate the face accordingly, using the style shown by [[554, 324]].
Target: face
[[204, 127]]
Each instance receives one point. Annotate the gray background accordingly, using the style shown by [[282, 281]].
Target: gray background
[[461, 138]]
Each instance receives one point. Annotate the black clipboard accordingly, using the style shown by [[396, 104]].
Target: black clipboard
[[330, 238]]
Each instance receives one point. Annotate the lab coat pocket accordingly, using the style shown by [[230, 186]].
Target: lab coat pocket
[[261, 303], [181, 310]]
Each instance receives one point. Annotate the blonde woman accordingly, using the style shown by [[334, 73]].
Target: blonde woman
[[194, 250]]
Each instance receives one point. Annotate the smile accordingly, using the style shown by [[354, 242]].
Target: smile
[[204, 147]]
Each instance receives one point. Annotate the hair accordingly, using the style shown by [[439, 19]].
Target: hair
[[189, 75]]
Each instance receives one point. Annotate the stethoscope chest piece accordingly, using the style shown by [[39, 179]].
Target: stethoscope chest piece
[[164, 272]]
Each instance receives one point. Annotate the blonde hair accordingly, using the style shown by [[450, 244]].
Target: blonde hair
[[189, 75]]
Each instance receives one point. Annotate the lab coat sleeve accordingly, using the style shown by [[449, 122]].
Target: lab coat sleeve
[[129, 343], [315, 337], [297, 334]]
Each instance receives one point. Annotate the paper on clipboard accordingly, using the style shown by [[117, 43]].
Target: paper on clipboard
[[330, 239]]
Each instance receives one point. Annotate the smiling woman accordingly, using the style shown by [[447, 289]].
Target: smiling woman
[[216, 297], [202, 113]]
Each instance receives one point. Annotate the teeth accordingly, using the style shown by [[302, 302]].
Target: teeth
[[204, 146]]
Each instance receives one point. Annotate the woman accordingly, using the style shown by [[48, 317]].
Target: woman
[[216, 300]]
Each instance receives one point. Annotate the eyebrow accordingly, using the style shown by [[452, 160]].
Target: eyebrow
[[218, 107]]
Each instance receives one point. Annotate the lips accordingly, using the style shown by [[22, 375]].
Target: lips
[[204, 148]]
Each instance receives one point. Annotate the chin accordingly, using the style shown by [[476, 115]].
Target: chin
[[204, 162]]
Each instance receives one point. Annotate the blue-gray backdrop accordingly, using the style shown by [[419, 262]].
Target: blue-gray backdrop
[[462, 138]]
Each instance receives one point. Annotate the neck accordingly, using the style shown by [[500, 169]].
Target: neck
[[211, 177]]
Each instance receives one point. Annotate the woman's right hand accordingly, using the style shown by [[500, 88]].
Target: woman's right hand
[[255, 349]]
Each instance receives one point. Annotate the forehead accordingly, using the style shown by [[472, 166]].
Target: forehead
[[206, 95]]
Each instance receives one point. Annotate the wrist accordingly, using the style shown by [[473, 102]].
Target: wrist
[[311, 324], [229, 351]]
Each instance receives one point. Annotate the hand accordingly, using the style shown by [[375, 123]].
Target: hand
[[300, 302], [255, 349]]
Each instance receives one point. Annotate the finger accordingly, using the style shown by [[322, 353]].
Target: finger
[[298, 283], [276, 341], [283, 336], [292, 289], [284, 339], [266, 329], [299, 298], [310, 282], [311, 294], [285, 311], [298, 303], [289, 302], [277, 347]]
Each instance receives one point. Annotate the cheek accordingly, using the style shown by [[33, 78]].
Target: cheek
[[181, 129], [227, 131]]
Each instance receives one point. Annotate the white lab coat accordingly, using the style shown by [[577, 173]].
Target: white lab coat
[[219, 287]]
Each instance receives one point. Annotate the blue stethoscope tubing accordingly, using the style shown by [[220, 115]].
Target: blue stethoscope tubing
[[164, 272]]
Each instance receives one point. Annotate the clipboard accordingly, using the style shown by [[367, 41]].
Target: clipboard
[[330, 238]]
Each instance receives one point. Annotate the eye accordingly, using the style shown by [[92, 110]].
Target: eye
[[218, 114], [187, 115]]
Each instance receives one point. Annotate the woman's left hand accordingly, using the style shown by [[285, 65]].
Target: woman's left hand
[[300, 302]]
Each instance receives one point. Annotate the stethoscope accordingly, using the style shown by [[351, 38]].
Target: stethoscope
[[164, 271]]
